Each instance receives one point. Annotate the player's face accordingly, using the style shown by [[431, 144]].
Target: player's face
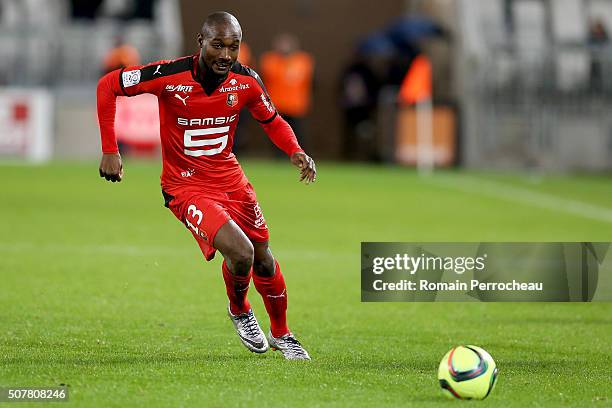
[[220, 50]]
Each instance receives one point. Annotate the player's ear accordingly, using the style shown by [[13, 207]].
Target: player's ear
[[200, 39]]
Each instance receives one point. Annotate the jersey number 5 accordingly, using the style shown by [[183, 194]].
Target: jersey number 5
[[221, 141]]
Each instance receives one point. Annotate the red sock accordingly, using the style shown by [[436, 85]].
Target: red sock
[[274, 293], [237, 288]]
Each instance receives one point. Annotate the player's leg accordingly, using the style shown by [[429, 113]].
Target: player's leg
[[214, 230], [237, 253], [267, 276], [270, 284]]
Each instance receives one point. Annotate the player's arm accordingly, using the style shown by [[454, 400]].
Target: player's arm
[[279, 131], [281, 134], [109, 88], [125, 82]]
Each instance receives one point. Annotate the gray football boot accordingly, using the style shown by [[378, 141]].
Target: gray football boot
[[289, 346], [249, 331]]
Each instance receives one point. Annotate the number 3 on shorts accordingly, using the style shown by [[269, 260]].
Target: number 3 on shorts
[[194, 212]]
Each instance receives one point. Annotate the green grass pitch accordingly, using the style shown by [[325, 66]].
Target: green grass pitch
[[104, 290]]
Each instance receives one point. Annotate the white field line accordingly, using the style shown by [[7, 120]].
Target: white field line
[[524, 196], [147, 250]]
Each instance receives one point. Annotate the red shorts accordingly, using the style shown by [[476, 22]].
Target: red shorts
[[203, 213]]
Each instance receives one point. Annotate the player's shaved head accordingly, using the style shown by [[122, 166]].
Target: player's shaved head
[[220, 22], [219, 42]]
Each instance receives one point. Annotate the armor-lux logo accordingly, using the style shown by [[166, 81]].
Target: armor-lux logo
[[238, 87], [179, 88]]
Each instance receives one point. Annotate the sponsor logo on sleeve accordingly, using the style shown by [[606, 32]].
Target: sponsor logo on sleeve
[[130, 78], [266, 102]]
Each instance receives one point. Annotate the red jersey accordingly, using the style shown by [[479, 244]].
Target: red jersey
[[198, 119]]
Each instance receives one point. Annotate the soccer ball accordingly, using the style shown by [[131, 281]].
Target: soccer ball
[[467, 372]]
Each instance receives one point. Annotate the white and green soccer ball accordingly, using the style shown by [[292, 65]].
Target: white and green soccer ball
[[467, 372]]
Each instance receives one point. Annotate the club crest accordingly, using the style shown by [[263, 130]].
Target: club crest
[[232, 99]]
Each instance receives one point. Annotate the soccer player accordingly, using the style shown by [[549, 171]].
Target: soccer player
[[203, 185]]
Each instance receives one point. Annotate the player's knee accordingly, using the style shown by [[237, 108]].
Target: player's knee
[[264, 266], [242, 258]]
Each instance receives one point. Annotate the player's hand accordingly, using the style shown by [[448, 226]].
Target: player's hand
[[111, 167], [308, 170]]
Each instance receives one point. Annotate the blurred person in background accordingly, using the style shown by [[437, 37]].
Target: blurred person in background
[[200, 97], [359, 88], [598, 35], [598, 41], [122, 55], [245, 56], [122, 9], [288, 72], [85, 9]]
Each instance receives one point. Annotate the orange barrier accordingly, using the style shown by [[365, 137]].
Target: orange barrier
[[444, 136], [418, 82]]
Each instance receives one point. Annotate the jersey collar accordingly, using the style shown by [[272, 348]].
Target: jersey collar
[[208, 79]]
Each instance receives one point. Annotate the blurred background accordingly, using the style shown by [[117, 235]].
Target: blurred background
[[104, 290], [510, 84]]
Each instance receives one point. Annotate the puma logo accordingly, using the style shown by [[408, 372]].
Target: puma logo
[[282, 295], [184, 100]]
